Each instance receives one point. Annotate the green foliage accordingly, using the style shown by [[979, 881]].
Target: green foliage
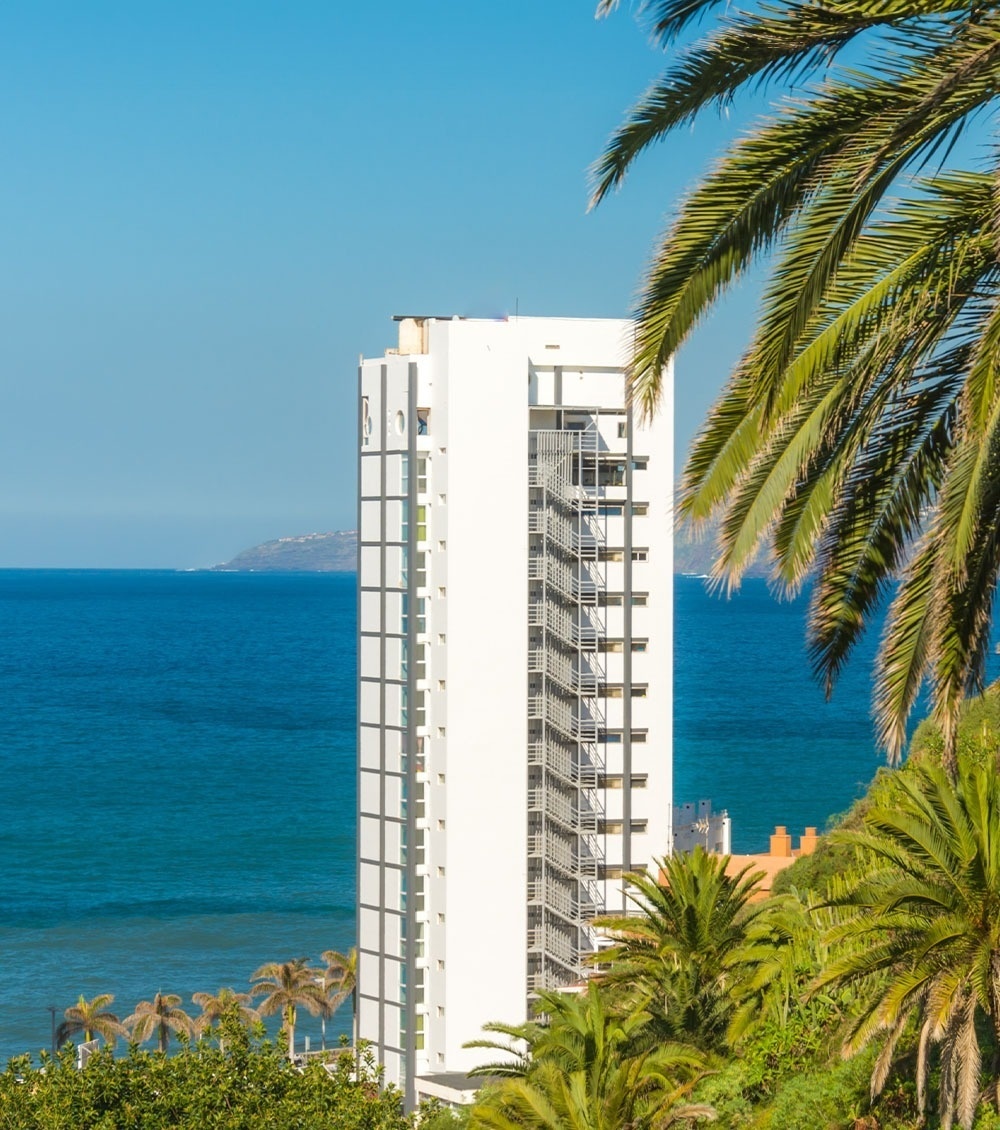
[[433, 1116], [672, 958], [978, 739], [919, 938], [832, 1098], [859, 435], [590, 1068], [248, 1086], [811, 874]]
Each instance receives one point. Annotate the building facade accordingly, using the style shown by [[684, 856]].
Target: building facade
[[515, 671]]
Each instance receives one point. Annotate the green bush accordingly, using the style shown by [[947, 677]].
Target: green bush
[[247, 1086]]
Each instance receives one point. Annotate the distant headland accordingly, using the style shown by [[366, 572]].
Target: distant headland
[[308, 553], [338, 553]]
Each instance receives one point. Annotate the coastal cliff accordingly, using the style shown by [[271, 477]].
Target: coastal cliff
[[337, 553], [309, 553]]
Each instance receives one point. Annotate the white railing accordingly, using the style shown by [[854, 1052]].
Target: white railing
[[561, 761], [559, 623]]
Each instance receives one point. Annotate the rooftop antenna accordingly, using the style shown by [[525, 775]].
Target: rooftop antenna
[[515, 309]]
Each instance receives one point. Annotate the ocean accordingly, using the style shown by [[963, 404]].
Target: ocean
[[179, 782]]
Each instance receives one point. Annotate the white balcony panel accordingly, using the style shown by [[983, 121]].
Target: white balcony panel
[[394, 475], [393, 751], [394, 510], [394, 971], [371, 521], [369, 751], [370, 657], [393, 893], [371, 476], [369, 931], [370, 786], [371, 565], [393, 796], [370, 704], [395, 567], [371, 612], [368, 972], [368, 1010], [369, 836], [370, 884], [393, 704], [394, 658], [393, 843], [394, 613]]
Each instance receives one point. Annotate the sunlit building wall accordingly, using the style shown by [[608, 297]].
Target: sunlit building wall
[[515, 671]]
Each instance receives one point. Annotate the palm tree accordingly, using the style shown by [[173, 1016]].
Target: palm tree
[[673, 958], [286, 985], [921, 940], [160, 1015], [782, 953], [340, 981], [860, 432], [586, 1068], [224, 1003], [91, 1018]]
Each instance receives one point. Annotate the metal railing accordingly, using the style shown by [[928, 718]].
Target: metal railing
[[562, 762], [556, 943], [561, 624], [557, 529], [563, 714], [558, 807]]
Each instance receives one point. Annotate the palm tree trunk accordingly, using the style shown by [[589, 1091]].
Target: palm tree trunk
[[290, 1028], [949, 755], [995, 1018], [354, 1033]]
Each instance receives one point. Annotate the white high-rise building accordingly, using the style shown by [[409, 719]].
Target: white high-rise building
[[515, 672]]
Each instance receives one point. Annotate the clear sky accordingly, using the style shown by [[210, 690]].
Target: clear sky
[[210, 209]]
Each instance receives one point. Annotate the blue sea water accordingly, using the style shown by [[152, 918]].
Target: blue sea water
[[178, 792], [177, 804]]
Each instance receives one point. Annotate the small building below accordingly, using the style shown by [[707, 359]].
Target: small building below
[[780, 855], [696, 824]]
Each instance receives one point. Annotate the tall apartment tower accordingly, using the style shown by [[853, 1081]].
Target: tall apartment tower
[[515, 672]]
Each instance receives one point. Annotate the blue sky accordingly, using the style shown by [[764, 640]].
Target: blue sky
[[210, 209]]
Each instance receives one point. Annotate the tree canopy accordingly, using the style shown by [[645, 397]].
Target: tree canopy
[[859, 435]]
